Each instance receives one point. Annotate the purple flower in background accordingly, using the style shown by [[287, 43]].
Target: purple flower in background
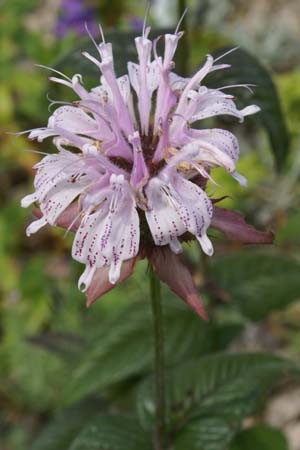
[[75, 14], [130, 173], [135, 23]]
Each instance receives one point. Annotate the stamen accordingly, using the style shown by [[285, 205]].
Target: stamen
[[204, 173], [246, 86], [90, 35], [102, 34], [148, 7], [226, 53], [57, 102], [36, 151], [170, 197], [73, 222], [181, 20], [54, 70], [19, 133]]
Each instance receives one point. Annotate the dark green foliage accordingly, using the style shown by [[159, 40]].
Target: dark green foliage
[[112, 433], [65, 427], [207, 400], [229, 385], [82, 428], [209, 433], [258, 282], [122, 347], [260, 437]]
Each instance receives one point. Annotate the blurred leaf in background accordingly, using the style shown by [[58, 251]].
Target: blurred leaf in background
[[77, 379]]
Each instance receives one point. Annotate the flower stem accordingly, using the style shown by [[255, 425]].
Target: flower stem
[[159, 376]]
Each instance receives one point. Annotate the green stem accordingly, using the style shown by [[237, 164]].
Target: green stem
[[159, 376]]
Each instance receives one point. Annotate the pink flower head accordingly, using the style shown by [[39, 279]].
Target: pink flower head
[[130, 170]]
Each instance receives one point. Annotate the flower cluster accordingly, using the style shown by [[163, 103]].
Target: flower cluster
[[130, 172]]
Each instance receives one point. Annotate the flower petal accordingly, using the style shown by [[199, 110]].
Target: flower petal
[[172, 271], [219, 138], [205, 154], [54, 168], [61, 196], [36, 226], [67, 219], [74, 120], [163, 215], [110, 235], [139, 173], [217, 103], [176, 206], [196, 212]]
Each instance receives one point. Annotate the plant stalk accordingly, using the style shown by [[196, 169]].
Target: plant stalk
[[159, 365]]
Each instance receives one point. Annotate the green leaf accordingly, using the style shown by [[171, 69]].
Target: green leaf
[[211, 433], [64, 344], [225, 333], [60, 433], [260, 437], [259, 283], [112, 433], [246, 69], [229, 385], [119, 350], [123, 347]]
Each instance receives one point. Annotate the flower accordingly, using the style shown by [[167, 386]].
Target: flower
[[130, 172], [135, 23], [73, 18]]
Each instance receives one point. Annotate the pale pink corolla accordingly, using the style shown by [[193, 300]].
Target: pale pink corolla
[[129, 161]]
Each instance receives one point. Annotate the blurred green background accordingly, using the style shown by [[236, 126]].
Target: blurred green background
[[50, 344]]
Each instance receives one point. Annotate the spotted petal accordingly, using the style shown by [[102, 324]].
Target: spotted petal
[[216, 103], [176, 206], [219, 138], [110, 235]]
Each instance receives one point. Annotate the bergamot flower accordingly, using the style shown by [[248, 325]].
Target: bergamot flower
[[130, 170]]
